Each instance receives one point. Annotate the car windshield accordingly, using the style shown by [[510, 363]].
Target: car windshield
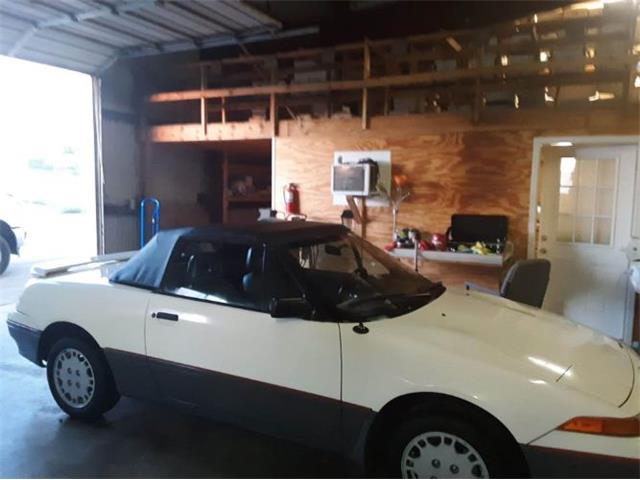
[[357, 280]]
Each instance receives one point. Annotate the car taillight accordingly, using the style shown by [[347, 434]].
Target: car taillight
[[611, 426]]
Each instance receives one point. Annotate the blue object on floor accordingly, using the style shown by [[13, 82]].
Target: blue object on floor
[[155, 218]]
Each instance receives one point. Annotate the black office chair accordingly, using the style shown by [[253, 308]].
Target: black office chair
[[525, 282]]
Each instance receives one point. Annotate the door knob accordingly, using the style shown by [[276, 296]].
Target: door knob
[[543, 251]]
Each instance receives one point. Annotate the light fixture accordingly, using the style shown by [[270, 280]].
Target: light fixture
[[636, 82], [504, 60], [535, 18], [516, 101], [590, 52], [589, 68], [562, 144], [544, 55], [601, 96]]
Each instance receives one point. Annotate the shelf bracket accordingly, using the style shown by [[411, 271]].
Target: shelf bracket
[[359, 213]]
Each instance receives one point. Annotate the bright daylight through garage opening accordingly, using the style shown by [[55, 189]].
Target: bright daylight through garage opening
[[47, 166]]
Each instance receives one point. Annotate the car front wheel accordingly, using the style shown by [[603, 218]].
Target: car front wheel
[[443, 446], [80, 379]]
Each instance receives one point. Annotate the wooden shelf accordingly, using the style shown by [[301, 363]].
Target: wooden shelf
[[237, 168], [251, 199]]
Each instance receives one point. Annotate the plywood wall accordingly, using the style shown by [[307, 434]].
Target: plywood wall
[[453, 165]]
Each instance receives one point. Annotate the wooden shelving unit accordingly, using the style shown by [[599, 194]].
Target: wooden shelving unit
[[540, 61], [240, 208]]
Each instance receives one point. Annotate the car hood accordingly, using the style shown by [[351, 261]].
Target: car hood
[[535, 342]]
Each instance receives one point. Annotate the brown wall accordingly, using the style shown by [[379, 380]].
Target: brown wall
[[453, 165]]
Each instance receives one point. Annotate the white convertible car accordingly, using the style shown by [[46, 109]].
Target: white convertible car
[[305, 331]]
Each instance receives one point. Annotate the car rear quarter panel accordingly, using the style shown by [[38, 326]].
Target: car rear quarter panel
[[112, 314]]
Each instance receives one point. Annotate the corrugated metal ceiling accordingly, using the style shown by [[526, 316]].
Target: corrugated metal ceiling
[[88, 35]]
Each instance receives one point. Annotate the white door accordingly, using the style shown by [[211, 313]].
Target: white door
[[212, 345], [585, 222]]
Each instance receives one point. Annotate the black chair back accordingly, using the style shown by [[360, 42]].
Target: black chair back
[[527, 281]]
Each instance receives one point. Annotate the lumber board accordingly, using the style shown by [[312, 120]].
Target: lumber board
[[424, 78]]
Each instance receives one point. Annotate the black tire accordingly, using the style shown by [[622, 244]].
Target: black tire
[[494, 450], [5, 255], [101, 394]]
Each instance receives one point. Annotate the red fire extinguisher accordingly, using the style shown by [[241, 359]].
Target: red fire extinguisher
[[291, 199]]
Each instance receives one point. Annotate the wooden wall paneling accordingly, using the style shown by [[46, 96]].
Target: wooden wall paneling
[[453, 165]]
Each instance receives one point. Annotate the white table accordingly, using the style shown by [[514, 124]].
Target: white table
[[490, 260]]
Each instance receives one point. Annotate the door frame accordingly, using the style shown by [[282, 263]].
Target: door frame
[[538, 143], [98, 165]]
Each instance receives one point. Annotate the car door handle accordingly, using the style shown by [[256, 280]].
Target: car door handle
[[165, 316]]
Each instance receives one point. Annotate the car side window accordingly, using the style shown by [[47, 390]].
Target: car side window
[[215, 272], [279, 283]]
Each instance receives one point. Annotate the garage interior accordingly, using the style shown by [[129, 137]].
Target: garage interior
[[216, 108]]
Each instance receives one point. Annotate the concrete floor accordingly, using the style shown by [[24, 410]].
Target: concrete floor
[[135, 439]]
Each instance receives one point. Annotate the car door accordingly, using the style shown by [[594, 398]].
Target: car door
[[211, 344]]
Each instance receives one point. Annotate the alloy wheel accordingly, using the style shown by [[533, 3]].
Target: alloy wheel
[[74, 378], [441, 455]]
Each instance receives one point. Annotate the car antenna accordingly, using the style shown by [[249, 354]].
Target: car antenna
[[360, 328]]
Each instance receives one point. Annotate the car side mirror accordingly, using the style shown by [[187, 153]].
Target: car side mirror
[[296, 307]]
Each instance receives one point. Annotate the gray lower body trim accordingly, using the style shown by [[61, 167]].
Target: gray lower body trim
[[557, 463], [295, 415], [27, 339]]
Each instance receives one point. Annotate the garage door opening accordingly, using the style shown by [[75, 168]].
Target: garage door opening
[[47, 167]]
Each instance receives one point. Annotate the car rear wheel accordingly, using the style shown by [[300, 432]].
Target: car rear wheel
[[80, 379], [5, 255], [443, 446]]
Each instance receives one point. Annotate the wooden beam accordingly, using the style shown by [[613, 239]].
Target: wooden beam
[[425, 78], [204, 114], [366, 75], [628, 84], [363, 216], [477, 99], [225, 185], [386, 102], [273, 113], [477, 102], [453, 43], [353, 206]]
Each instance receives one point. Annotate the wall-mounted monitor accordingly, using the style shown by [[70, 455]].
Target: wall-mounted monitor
[[352, 179]]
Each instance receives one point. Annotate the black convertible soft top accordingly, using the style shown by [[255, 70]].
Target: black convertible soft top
[[146, 268]]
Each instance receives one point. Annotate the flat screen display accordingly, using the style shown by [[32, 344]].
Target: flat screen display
[[349, 178]]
